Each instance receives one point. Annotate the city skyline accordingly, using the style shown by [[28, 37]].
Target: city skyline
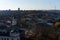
[[29, 4]]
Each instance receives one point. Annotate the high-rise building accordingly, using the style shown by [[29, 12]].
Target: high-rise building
[[18, 9]]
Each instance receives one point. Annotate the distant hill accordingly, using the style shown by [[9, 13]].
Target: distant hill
[[55, 11]]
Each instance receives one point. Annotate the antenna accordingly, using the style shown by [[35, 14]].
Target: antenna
[[50, 3], [55, 7]]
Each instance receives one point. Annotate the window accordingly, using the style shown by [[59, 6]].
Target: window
[[7, 38], [12, 38], [2, 38], [17, 39]]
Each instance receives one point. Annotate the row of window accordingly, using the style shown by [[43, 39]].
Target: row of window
[[8, 39]]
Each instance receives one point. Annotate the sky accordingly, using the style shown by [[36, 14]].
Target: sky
[[30, 4]]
